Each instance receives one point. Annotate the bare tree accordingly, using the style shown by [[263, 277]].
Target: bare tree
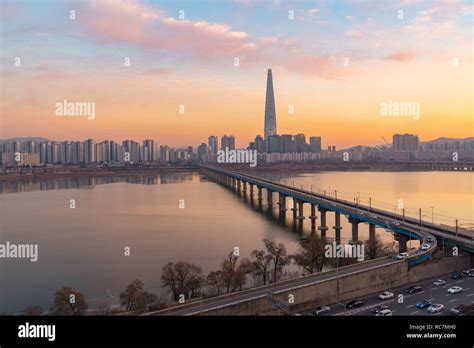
[[261, 264], [215, 282], [68, 301], [279, 257], [134, 297], [377, 248], [182, 278], [310, 255], [33, 310], [231, 276]]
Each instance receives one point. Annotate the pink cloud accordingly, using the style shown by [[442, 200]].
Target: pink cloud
[[128, 21]]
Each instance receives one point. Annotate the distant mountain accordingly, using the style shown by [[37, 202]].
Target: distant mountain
[[444, 140], [23, 139]]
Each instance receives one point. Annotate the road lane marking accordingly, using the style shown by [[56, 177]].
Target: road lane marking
[[414, 312], [459, 281], [411, 306], [453, 300]]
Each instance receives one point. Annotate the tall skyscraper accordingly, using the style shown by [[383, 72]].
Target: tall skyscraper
[[274, 144], [259, 144], [270, 113], [228, 141], [287, 145], [405, 142], [212, 143], [315, 144], [300, 143]]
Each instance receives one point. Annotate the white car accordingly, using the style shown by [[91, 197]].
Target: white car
[[386, 295], [425, 247], [402, 256], [373, 216], [435, 308], [439, 282], [454, 290], [384, 313]]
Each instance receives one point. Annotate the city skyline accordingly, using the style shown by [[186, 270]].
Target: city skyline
[[335, 65]]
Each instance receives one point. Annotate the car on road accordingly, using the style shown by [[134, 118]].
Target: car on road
[[320, 310], [439, 282], [430, 240], [354, 304], [377, 309], [386, 295], [456, 275], [413, 289], [436, 308], [425, 247], [396, 223], [402, 256], [373, 216], [459, 309], [467, 271], [471, 274], [423, 304], [384, 313], [454, 290]]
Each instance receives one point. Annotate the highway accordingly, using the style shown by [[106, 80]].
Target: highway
[[261, 291], [433, 293]]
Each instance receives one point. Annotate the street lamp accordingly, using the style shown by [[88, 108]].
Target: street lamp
[[432, 214]]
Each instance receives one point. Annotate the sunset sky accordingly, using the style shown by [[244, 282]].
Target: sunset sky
[[425, 57]]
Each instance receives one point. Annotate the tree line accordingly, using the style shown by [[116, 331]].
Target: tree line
[[184, 280]]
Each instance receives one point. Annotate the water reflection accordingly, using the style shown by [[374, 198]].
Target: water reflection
[[14, 186]]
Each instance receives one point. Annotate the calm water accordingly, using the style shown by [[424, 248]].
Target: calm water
[[84, 247]]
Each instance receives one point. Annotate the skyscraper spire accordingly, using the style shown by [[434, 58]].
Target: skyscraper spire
[[270, 114]]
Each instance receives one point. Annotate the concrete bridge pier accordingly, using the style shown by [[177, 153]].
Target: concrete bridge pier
[[245, 188], [372, 241], [355, 230], [313, 217], [300, 210], [270, 197], [323, 227], [239, 186], [251, 190], [259, 189], [402, 242], [282, 204], [337, 227], [294, 208], [300, 216]]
